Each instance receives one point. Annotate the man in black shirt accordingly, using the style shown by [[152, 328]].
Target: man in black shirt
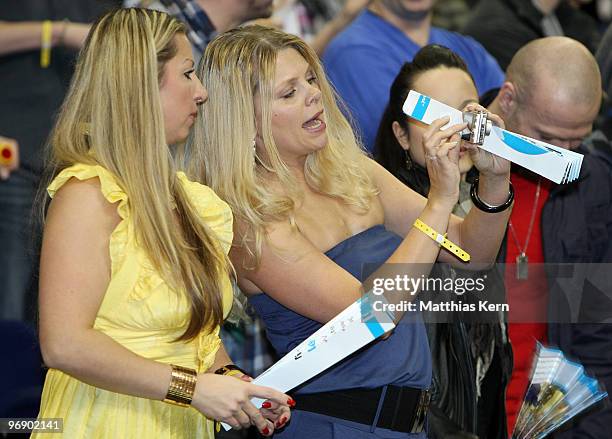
[[504, 26], [31, 95]]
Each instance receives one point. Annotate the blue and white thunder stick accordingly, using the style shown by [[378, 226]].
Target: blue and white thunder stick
[[550, 161], [353, 328]]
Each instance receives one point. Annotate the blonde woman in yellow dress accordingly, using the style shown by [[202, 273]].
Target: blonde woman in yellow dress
[[135, 278]]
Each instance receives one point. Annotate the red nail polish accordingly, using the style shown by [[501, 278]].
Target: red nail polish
[[291, 402], [267, 405], [6, 153], [283, 420], [265, 431]]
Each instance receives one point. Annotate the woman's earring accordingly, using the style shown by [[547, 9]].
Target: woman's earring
[[407, 161], [255, 158]]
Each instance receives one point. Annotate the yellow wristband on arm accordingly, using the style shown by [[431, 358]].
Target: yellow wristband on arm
[[442, 240], [45, 43]]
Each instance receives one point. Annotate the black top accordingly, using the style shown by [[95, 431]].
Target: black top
[[504, 26]]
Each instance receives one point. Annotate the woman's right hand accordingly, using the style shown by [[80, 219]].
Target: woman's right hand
[[442, 160], [227, 399]]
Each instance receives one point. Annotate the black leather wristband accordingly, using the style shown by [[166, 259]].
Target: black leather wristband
[[481, 205]]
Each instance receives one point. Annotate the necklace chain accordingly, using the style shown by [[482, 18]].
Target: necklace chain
[[531, 222]]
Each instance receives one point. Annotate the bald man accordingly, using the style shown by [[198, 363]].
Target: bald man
[[552, 93]]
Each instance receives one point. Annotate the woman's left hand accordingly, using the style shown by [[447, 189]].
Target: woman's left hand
[[272, 411], [485, 162]]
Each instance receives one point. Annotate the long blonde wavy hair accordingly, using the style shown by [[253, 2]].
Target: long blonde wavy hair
[[112, 116], [235, 66]]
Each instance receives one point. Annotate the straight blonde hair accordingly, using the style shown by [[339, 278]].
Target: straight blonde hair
[[237, 65], [112, 117]]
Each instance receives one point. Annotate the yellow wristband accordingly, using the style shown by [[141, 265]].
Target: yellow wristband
[[442, 241], [45, 44], [234, 373]]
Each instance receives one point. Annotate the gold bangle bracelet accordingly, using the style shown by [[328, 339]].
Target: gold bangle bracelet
[[182, 386]]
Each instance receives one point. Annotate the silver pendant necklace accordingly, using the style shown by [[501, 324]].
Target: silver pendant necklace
[[522, 261]]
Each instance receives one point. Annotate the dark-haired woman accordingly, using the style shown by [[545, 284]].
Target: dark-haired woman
[[472, 358]]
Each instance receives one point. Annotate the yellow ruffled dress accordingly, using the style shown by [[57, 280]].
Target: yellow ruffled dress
[[143, 314]]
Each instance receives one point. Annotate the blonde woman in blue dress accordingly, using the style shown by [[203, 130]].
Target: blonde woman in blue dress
[[315, 217], [135, 278]]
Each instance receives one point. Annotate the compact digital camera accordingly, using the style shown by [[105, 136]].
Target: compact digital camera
[[479, 126]]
